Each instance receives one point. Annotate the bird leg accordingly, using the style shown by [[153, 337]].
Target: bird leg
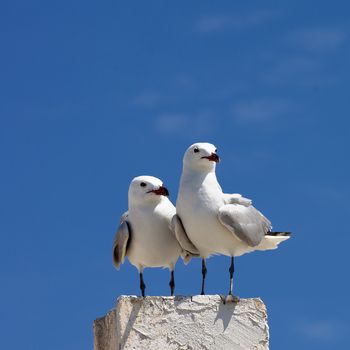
[[230, 297], [172, 283], [142, 285], [204, 272], [231, 270]]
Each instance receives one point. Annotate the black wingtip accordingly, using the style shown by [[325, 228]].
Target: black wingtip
[[278, 233]]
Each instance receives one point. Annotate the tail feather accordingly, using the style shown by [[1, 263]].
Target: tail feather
[[278, 233], [273, 239]]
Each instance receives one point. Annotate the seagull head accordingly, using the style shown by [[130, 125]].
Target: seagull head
[[147, 189], [201, 156]]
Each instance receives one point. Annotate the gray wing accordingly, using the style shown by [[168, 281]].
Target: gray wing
[[236, 198], [124, 217], [121, 240], [178, 229], [247, 223]]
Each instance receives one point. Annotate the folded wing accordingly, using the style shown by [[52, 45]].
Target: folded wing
[[246, 222], [121, 241], [188, 247], [236, 198]]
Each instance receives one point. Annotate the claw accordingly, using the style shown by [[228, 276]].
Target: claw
[[229, 299]]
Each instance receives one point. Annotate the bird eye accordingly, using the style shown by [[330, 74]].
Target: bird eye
[[142, 184], [216, 150], [196, 150]]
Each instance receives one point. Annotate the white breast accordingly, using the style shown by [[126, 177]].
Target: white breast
[[198, 206], [152, 243]]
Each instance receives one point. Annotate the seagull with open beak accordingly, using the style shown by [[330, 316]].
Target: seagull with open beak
[[210, 222]]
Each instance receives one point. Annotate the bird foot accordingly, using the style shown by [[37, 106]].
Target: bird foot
[[229, 299]]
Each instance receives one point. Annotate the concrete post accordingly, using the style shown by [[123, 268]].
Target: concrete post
[[183, 323]]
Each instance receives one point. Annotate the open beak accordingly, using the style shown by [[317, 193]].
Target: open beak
[[161, 191], [213, 157]]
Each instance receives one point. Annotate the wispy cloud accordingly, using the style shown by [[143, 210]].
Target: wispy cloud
[[173, 90], [260, 110], [147, 99], [322, 330], [298, 70], [325, 192], [171, 123], [185, 82], [305, 63], [318, 40], [196, 124], [221, 22]]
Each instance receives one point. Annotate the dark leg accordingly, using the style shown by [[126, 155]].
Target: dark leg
[[230, 297], [204, 273], [142, 285], [172, 283], [231, 270]]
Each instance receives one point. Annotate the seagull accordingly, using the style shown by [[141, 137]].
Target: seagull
[[144, 234], [209, 222]]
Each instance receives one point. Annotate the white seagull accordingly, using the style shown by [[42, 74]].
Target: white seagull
[[209, 221], [144, 234]]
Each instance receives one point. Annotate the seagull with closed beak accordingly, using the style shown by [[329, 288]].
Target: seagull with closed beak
[[210, 222], [144, 234]]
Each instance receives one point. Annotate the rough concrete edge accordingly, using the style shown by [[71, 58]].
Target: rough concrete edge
[[105, 328], [181, 297], [260, 305]]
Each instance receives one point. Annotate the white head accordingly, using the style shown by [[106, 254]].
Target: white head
[[146, 190], [201, 156]]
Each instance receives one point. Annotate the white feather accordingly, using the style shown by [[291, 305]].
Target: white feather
[[152, 243], [198, 205]]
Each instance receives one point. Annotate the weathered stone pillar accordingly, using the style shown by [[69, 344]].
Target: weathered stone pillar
[[198, 322]]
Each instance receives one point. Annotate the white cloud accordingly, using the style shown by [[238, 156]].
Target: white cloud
[[197, 124], [295, 65], [318, 40], [147, 99], [260, 110], [185, 82], [305, 65], [171, 123], [298, 70], [209, 24], [321, 330], [220, 22], [325, 193]]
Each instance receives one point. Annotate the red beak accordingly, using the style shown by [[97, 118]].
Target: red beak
[[161, 191], [213, 157]]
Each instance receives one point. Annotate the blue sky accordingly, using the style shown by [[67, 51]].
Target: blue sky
[[93, 94]]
